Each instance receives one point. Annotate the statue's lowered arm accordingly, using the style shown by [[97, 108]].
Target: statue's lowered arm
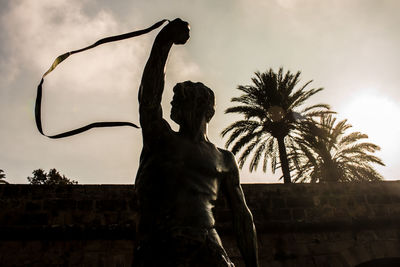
[[242, 218]]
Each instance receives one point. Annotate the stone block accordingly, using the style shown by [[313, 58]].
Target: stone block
[[94, 191], [322, 260], [379, 199], [281, 215], [341, 212], [318, 248], [392, 248], [300, 202], [298, 214], [95, 246], [66, 204], [118, 191], [358, 199], [10, 191], [278, 202], [336, 189], [313, 215], [359, 211], [379, 211], [391, 234], [77, 217], [85, 204], [255, 203], [75, 258], [325, 213], [330, 260], [133, 203], [378, 249], [111, 218], [298, 250], [50, 205], [38, 192], [305, 261], [13, 205], [34, 219], [111, 205], [339, 236], [358, 254], [393, 210], [302, 237], [338, 200], [35, 205]]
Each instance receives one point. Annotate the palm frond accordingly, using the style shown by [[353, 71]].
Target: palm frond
[[244, 139], [316, 106], [247, 111], [246, 152], [270, 151], [351, 138], [257, 155], [239, 128]]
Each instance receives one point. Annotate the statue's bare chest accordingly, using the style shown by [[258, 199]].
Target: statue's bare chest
[[181, 167], [201, 157]]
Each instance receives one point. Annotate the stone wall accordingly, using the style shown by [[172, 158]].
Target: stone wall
[[298, 225]]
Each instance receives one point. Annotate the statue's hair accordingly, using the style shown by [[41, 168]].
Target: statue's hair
[[202, 95]]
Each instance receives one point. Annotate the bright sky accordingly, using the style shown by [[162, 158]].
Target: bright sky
[[351, 48]]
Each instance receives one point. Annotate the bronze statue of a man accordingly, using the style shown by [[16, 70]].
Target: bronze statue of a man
[[181, 173]]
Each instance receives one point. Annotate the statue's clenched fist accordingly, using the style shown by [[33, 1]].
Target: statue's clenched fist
[[176, 31]]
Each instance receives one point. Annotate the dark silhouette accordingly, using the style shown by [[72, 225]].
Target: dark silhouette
[[51, 178], [271, 119], [181, 173], [3, 177], [326, 153]]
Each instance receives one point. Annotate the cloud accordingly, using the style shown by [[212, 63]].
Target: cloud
[[46, 25], [287, 3], [375, 114], [37, 32], [96, 85]]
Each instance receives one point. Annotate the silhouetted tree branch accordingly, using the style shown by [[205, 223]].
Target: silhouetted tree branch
[[2, 177], [51, 178]]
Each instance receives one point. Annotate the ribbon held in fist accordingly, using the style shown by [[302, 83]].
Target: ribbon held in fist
[[176, 31]]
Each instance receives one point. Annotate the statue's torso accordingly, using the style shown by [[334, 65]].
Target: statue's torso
[[178, 183]]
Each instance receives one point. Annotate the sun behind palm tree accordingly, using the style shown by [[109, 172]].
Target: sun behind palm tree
[[271, 115], [327, 154]]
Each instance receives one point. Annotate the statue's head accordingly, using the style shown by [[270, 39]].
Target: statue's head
[[192, 102]]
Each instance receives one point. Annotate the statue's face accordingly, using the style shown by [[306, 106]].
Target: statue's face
[[176, 108], [183, 106]]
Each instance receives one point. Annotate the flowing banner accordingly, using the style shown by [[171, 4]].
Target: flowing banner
[[60, 59]]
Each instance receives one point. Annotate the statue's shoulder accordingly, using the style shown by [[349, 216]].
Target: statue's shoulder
[[225, 152], [229, 158]]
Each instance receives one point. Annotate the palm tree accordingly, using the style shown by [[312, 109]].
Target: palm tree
[[271, 115], [327, 154], [2, 177]]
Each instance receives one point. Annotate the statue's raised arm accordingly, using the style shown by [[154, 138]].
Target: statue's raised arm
[[152, 84]]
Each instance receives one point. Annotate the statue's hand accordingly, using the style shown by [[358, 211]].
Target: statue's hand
[[176, 31]]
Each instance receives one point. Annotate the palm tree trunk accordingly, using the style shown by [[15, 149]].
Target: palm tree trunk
[[284, 160]]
